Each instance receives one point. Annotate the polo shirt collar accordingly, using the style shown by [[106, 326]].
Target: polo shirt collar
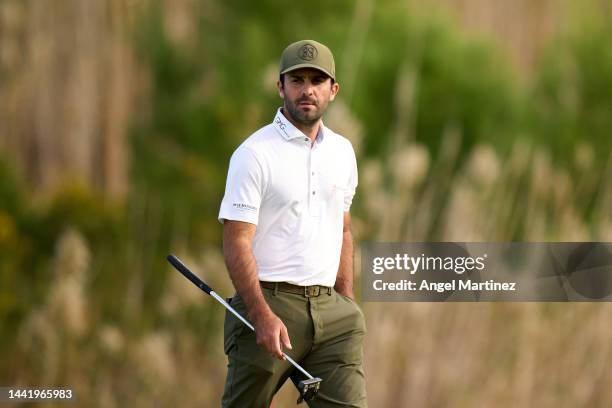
[[289, 132]]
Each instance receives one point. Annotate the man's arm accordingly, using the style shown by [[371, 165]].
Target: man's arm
[[344, 278], [240, 261]]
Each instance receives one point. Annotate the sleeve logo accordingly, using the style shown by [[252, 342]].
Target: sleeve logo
[[244, 207]]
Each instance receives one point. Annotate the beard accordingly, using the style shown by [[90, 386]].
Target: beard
[[306, 116]]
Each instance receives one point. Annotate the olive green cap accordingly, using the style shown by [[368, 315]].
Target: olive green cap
[[308, 54]]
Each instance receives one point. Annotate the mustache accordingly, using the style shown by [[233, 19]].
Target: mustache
[[312, 101]]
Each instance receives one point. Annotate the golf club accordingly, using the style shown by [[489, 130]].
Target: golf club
[[308, 388]]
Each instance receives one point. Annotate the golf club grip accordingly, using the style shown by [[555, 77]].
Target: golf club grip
[[188, 274]]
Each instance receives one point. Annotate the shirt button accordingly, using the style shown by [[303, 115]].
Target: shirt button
[[313, 193], [313, 173], [305, 139]]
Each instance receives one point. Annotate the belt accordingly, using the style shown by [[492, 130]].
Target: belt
[[306, 291]]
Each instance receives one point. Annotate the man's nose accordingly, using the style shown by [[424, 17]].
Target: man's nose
[[307, 89]]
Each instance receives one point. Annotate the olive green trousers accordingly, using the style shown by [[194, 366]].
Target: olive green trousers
[[326, 333]]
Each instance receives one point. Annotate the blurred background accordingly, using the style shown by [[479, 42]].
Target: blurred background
[[473, 120]]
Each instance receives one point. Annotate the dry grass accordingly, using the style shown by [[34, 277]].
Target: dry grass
[[506, 354]]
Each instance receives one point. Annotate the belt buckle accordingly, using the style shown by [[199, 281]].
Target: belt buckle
[[312, 291]]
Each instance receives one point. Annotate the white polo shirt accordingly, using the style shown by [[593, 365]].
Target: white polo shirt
[[296, 195]]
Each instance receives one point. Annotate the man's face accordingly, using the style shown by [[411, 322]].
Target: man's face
[[306, 93]]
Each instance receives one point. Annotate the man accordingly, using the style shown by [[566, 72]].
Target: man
[[288, 246]]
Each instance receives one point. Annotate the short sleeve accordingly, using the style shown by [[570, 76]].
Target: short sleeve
[[243, 188], [352, 181]]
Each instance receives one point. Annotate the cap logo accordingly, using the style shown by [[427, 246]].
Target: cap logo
[[308, 52]]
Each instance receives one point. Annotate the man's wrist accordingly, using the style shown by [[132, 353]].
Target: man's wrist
[[260, 312]]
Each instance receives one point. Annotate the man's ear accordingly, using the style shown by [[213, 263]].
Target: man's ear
[[281, 90], [334, 91]]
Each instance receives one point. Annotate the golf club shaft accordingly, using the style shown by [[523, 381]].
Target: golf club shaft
[[200, 284]]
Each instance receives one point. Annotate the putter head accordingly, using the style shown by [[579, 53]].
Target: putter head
[[308, 389]]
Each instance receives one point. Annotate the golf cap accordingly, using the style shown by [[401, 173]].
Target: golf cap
[[308, 54]]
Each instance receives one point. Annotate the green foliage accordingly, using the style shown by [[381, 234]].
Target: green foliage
[[28, 239], [572, 99], [457, 83], [11, 192], [10, 249]]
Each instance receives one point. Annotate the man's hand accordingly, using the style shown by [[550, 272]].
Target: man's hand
[[271, 333], [344, 277], [347, 293]]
